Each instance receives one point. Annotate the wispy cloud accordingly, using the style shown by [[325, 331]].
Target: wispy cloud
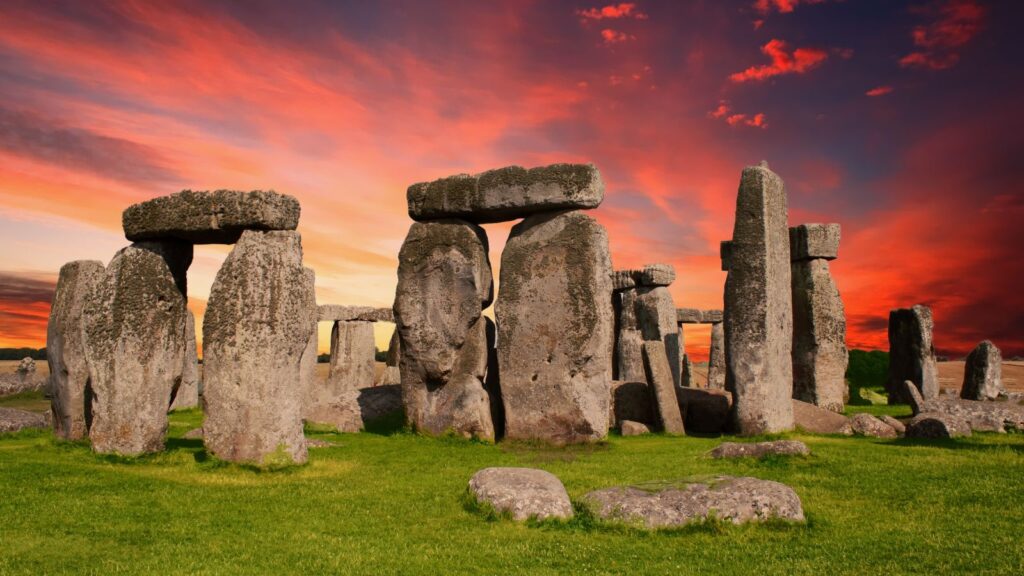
[[879, 91], [783, 61], [613, 12], [952, 25]]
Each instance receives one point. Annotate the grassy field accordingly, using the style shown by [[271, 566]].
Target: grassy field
[[388, 502]]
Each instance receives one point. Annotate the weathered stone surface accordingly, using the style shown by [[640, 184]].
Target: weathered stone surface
[[624, 279], [391, 374], [713, 316], [758, 307], [760, 449], [631, 401], [629, 340], [811, 418], [187, 395], [522, 492], [704, 410], [257, 326], [687, 377], [809, 241], [664, 505], [657, 275], [983, 373], [656, 318], [134, 322], [689, 316], [338, 409], [937, 425], [310, 355], [911, 354], [666, 403], [353, 349], [444, 282], [507, 193], [555, 325], [913, 397], [338, 313], [981, 415], [819, 336], [716, 358], [217, 217], [26, 366], [895, 424], [65, 349], [631, 428], [867, 425], [379, 401], [12, 420], [352, 411], [725, 253]]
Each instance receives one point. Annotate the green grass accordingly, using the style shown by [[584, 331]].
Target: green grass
[[394, 503], [34, 401]]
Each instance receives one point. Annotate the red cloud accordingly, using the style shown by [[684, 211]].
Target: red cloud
[[723, 111], [799, 61], [613, 11], [614, 36], [953, 25], [879, 91], [781, 6]]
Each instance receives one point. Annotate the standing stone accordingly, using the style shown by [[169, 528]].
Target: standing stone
[[819, 321], [656, 315], [758, 307], [444, 283], [983, 373], [629, 340], [353, 352], [65, 349], [391, 374], [911, 354], [257, 326], [187, 395], [307, 367], [716, 358], [555, 324], [665, 399], [135, 344]]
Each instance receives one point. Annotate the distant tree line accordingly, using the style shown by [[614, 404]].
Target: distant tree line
[[378, 355], [19, 353]]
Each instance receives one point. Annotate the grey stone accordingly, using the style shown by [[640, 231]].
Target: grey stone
[[257, 326], [867, 425], [134, 323], [217, 217], [353, 350], [629, 341], [713, 316], [937, 425], [758, 307], [981, 415], [689, 316], [65, 349], [507, 193], [913, 397], [667, 505], [810, 241], [187, 395], [911, 354], [811, 418], [624, 279], [716, 358], [631, 401], [444, 283], [895, 424], [819, 336], [631, 428], [656, 318], [760, 449], [725, 253], [310, 355], [26, 366], [522, 492], [555, 340], [704, 410], [13, 420], [378, 402], [665, 400], [657, 275], [338, 409], [687, 377], [983, 373], [338, 313], [392, 374]]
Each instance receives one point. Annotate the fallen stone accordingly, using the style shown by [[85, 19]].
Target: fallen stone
[[666, 403], [257, 325], [217, 217], [867, 425], [983, 373], [669, 505], [657, 275], [134, 326], [554, 317], [811, 418], [760, 449], [689, 316], [187, 395], [630, 428], [70, 402], [758, 307], [705, 410], [716, 358], [522, 492], [507, 193], [812, 241], [656, 319], [337, 313], [911, 354], [895, 424], [819, 336], [936, 425], [13, 420], [444, 283], [631, 401], [981, 415]]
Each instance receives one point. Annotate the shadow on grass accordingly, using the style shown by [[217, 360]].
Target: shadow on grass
[[388, 425], [962, 443], [539, 452], [183, 443]]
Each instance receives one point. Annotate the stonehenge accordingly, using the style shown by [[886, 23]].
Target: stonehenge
[[758, 314], [911, 354], [716, 355], [819, 321], [217, 217]]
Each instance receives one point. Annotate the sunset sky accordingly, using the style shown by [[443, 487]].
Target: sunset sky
[[901, 121]]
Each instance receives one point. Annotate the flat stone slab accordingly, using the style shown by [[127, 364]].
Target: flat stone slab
[[217, 217], [668, 505], [507, 193], [689, 316], [760, 449], [339, 313], [809, 241], [522, 492], [657, 275], [624, 279], [12, 420]]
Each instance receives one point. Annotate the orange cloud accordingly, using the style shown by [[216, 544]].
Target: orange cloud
[[757, 120], [781, 6], [879, 91], [953, 25], [614, 36], [782, 62], [613, 11]]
